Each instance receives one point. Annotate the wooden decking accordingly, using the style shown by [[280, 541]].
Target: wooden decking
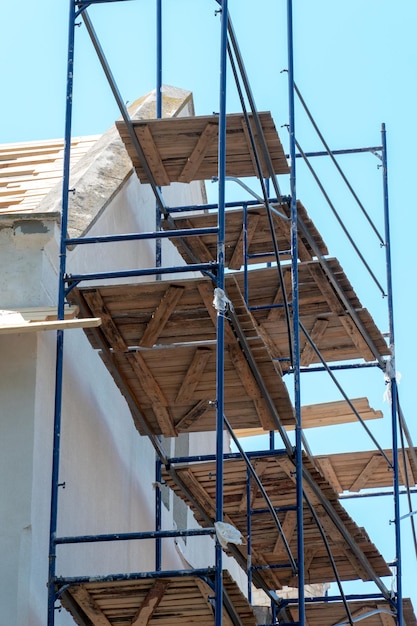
[[160, 337], [277, 476], [255, 226], [321, 311], [373, 612], [185, 600], [354, 471], [184, 149]]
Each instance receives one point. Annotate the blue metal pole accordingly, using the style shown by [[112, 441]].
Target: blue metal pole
[[60, 333], [158, 514], [295, 317], [158, 242], [249, 533], [393, 381], [158, 59], [221, 312], [158, 263]]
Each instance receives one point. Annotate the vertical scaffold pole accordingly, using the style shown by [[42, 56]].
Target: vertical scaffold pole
[[221, 309], [158, 263], [60, 333], [390, 372], [158, 242], [295, 317]]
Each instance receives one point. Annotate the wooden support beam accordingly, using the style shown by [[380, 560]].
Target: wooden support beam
[[386, 620], [237, 259], [150, 603], [307, 353], [197, 156], [160, 405], [245, 374], [326, 467], [192, 415], [277, 313], [197, 245], [161, 315], [262, 163], [259, 466], [356, 337], [405, 470], [152, 155], [136, 410], [289, 526], [108, 328], [361, 480], [194, 373], [338, 309], [200, 495], [337, 542], [89, 606]]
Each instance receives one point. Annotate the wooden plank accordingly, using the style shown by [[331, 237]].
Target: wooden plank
[[336, 306], [405, 469], [249, 137], [196, 157], [240, 363], [306, 350], [46, 313], [386, 620], [161, 315], [109, 329], [356, 337], [31, 327], [327, 469], [237, 259], [158, 400], [250, 384], [325, 414], [195, 371], [192, 415], [196, 245], [289, 526], [152, 155], [150, 603], [175, 141], [336, 539], [361, 480], [277, 313], [89, 606], [260, 466]]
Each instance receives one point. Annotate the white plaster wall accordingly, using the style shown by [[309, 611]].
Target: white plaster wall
[[108, 469], [22, 241], [132, 210], [17, 372]]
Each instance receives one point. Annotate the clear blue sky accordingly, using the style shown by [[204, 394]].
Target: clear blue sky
[[355, 64]]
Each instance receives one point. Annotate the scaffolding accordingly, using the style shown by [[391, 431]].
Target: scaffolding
[[268, 304]]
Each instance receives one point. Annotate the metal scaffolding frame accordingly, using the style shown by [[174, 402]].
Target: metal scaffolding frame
[[58, 587]]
